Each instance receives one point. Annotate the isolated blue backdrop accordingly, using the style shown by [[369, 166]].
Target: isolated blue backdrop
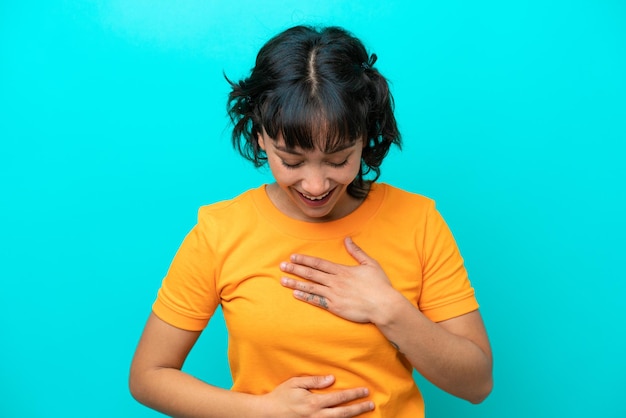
[[113, 132]]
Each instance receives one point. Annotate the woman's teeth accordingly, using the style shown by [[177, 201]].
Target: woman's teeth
[[316, 197]]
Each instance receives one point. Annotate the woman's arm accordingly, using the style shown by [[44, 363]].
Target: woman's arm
[[454, 354], [156, 380]]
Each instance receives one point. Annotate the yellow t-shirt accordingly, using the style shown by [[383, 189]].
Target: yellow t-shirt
[[232, 256]]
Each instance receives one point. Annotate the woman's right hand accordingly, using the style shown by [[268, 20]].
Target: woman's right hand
[[294, 399]]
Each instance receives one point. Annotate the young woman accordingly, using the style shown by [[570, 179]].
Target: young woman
[[333, 287]]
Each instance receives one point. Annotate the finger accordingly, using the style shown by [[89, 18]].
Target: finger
[[352, 410], [306, 287], [307, 273], [334, 399], [313, 382], [356, 252], [311, 298], [314, 262]]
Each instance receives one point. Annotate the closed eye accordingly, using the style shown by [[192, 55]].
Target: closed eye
[[338, 165], [290, 166]]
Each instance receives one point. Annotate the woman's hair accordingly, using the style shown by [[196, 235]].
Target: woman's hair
[[315, 88]]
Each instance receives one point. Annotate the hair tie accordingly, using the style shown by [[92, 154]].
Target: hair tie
[[367, 65]]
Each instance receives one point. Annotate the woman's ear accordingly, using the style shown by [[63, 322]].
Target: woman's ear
[[260, 140]]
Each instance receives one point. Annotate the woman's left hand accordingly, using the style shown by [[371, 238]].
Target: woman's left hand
[[355, 293]]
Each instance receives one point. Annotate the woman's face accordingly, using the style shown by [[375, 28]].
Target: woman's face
[[311, 185]]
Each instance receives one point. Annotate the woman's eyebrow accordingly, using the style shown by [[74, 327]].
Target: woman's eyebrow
[[340, 147], [335, 150], [283, 148]]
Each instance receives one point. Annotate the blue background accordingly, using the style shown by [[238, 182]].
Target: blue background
[[113, 132]]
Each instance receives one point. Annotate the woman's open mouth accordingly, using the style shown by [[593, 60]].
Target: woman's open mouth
[[316, 200]]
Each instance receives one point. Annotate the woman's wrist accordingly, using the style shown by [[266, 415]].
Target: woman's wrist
[[389, 309]]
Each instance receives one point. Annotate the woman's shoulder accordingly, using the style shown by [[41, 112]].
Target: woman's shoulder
[[405, 207], [398, 195], [240, 206]]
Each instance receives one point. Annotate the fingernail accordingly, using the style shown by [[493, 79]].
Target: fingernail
[[283, 265]]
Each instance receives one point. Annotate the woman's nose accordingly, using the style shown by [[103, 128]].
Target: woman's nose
[[315, 182]]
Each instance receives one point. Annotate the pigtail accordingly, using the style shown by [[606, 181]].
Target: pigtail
[[382, 128], [381, 124], [242, 112]]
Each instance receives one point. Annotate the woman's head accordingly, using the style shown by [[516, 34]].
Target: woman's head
[[315, 88]]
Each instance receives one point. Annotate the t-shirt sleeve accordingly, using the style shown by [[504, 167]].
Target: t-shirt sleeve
[[187, 298], [446, 289]]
